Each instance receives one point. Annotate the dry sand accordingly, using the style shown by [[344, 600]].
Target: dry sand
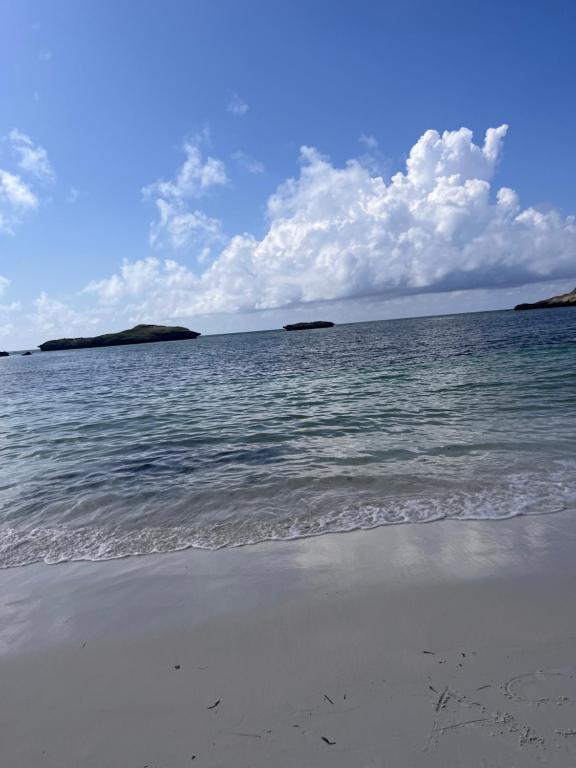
[[447, 644]]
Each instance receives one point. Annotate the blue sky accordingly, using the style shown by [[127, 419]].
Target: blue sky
[[147, 150]]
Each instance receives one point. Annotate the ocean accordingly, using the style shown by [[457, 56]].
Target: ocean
[[235, 439]]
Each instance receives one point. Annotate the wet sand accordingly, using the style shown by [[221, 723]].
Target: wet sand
[[449, 644]]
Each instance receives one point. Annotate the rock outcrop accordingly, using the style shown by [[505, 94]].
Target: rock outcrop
[[140, 334], [564, 300], [4, 354], [307, 326]]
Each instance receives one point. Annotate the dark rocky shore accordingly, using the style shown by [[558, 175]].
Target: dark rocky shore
[[555, 302], [307, 326], [140, 334]]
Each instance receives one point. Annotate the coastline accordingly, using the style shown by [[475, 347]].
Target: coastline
[[448, 644]]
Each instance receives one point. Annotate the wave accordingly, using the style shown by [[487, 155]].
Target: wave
[[523, 494]]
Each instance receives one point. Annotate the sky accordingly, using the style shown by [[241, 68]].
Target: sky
[[233, 166]]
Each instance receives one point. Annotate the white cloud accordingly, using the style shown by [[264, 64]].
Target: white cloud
[[33, 158], [137, 278], [18, 196], [51, 313], [16, 193], [368, 141], [56, 318], [7, 311], [16, 199], [341, 233], [237, 106], [4, 283], [254, 167], [6, 330], [194, 177], [178, 226]]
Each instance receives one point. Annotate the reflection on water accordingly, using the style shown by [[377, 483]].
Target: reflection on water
[[147, 596]]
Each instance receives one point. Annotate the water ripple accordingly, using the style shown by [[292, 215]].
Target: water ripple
[[230, 440]]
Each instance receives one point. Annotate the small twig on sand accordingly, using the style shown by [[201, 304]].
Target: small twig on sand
[[442, 700], [466, 722]]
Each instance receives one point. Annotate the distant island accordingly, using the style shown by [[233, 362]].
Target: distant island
[[140, 334], [4, 354], [555, 302], [307, 326]]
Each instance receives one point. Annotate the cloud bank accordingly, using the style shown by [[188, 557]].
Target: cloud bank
[[343, 233]]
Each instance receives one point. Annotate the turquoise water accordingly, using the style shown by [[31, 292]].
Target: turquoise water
[[230, 440]]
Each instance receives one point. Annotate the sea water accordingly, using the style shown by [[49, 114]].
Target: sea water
[[235, 439]]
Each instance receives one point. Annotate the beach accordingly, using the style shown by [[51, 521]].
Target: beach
[[349, 547], [450, 644], [287, 384]]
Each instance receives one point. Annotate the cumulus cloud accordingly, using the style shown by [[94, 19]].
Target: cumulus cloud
[[237, 106], [52, 313], [58, 318], [180, 229], [178, 224], [4, 283], [343, 232], [18, 195], [143, 277]]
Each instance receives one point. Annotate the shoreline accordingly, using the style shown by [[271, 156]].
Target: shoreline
[[404, 645], [270, 539]]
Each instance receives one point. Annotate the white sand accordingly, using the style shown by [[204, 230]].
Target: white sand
[[314, 651]]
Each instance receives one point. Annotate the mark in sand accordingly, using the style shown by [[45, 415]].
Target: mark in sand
[[542, 688]]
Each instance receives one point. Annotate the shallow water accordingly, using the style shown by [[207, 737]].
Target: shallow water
[[229, 440]]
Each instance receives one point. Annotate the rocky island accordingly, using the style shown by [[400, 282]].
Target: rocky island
[[4, 354], [555, 302], [140, 334], [307, 326]]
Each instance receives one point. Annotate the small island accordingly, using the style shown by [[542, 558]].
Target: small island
[[555, 302], [140, 334], [4, 354], [308, 326]]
